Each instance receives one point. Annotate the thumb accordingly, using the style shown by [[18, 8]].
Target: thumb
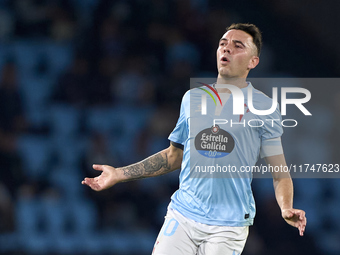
[[288, 214], [98, 167]]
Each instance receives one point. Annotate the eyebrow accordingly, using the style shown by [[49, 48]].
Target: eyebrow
[[235, 41]]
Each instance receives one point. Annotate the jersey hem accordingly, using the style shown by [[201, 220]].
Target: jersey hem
[[203, 220]]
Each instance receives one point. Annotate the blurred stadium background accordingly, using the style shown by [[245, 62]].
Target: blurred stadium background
[[90, 81]]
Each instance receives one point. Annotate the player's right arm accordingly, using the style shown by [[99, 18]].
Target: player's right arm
[[160, 163]]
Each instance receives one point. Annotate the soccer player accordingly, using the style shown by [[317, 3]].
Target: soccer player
[[212, 210]]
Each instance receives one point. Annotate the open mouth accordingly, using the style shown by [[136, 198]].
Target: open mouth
[[224, 60]]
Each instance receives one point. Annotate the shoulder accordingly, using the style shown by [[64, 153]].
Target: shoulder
[[192, 93]]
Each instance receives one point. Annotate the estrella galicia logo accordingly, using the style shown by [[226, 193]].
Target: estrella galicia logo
[[214, 142]]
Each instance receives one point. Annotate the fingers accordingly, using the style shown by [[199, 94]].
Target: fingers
[[98, 167], [296, 218], [303, 217], [302, 227], [302, 221], [300, 214], [91, 182], [103, 181], [86, 181]]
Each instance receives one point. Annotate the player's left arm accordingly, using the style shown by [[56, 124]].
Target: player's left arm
[[284, 191]]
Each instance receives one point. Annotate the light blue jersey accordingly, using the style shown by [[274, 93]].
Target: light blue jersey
[[213, 190]]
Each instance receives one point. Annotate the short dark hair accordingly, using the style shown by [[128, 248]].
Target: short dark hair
[[252, 30]]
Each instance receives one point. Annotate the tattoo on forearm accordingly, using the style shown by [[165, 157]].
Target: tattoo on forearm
[[155, 164]]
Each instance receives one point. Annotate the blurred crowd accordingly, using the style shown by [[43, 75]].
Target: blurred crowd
[[90, 81]]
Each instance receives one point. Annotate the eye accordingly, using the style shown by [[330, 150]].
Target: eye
[[238, 46]]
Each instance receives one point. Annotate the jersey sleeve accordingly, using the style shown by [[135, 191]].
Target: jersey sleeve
[[271, 133], [180, 132], [272, 127], [271, 147]]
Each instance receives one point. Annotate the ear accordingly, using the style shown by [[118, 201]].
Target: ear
[[253, 62]]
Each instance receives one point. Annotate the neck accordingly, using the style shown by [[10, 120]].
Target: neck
[[239, 82]]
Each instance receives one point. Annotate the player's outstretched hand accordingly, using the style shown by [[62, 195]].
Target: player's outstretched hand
[[104, 181], [296, 218]]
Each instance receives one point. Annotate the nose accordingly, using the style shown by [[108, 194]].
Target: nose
[[226, 49]]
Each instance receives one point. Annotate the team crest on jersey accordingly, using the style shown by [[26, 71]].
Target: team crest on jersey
[[215, 129], [214, 142]]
